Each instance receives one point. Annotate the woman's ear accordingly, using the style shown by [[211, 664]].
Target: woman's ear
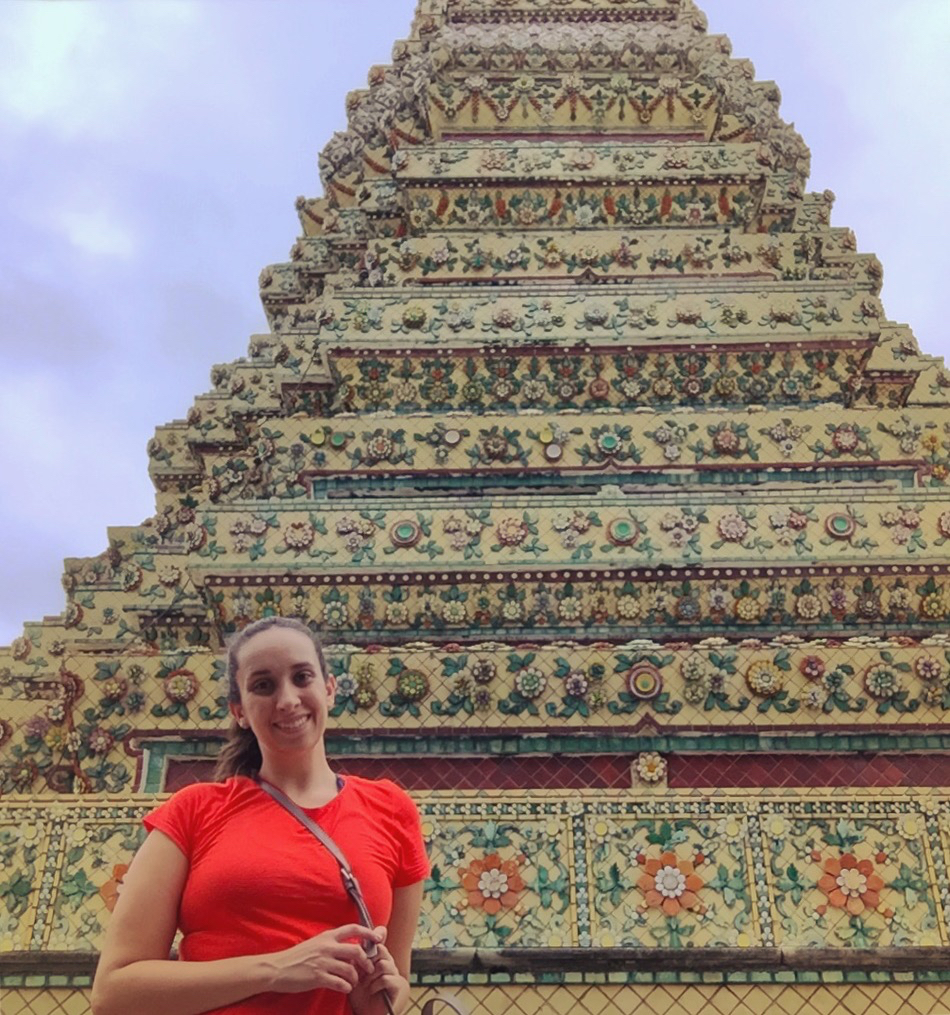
[[238, 714], [331, 689]]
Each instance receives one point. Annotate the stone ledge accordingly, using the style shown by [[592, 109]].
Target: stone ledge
[[466, 963]]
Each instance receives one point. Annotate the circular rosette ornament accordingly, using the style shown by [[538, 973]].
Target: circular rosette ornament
[[414, 316], [670, 884], [846, 439], [812, 667], [379, 447], [610, 443], [531, 682], [483, 671], [650, 767], [882, 681], [598, 389], [181, 686], [851, 884], [840, 526], [622, 532], [412, 685], [943, 525], [495, 447], [644, 681], [492, 884], [405, 534], [764, 679]]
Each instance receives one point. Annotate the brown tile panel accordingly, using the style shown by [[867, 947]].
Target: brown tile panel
[[424, 773], [613, 771], [776, 770]]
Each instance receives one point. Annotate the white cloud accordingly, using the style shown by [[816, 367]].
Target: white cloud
[[84, 68], [96, 233]]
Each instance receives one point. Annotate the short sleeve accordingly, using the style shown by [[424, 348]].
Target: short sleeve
[[414, 863], [178, 817]]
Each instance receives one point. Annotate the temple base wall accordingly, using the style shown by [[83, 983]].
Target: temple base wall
[[818, 997]]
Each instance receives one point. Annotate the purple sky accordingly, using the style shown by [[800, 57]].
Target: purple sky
[[150, 155]]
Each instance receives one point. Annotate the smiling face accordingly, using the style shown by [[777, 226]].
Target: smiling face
[[285, 694]]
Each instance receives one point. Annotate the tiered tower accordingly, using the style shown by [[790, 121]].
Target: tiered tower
[[582, 434]]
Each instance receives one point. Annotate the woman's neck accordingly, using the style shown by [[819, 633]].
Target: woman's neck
[[311, 784]]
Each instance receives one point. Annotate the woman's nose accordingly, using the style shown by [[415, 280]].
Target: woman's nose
[[287, 696]]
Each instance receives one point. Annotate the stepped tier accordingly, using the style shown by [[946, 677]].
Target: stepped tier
[[607, 257], [687, 312], [292, 457]]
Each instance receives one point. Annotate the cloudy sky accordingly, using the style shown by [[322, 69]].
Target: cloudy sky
[[150, 155]]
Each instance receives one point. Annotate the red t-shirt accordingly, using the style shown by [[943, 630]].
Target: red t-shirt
[[259, 882]]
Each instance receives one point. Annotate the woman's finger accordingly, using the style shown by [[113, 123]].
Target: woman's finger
[[387, 983], [357, 930], [353, 954], [338, 984], [344, 970]]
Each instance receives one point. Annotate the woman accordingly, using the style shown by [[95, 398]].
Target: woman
[[267, 926]]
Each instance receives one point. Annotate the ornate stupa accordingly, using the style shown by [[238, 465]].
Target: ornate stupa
[[582, 435]]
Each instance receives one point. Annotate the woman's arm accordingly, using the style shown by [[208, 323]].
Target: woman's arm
[[135, 973], [401, 929]]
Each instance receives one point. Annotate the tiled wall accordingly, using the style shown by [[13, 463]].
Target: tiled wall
[[595, 999]]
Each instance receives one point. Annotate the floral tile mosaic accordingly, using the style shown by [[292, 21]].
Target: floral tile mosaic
[[587, 869]]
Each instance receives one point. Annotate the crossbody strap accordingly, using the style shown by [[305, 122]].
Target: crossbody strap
[[429, 1007], [350, 883]]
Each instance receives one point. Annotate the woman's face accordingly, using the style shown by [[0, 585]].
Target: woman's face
[[285, 695]]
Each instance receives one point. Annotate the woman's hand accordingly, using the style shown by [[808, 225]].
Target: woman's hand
[[368, 996], [333, 960]]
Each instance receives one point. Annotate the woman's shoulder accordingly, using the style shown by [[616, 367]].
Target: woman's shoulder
[[380, 793], [195, 812], [212, 795]]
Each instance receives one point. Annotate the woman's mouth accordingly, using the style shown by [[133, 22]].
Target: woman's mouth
[[292, 725]]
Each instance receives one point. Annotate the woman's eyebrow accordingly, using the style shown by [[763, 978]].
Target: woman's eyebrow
[[264, 671]]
